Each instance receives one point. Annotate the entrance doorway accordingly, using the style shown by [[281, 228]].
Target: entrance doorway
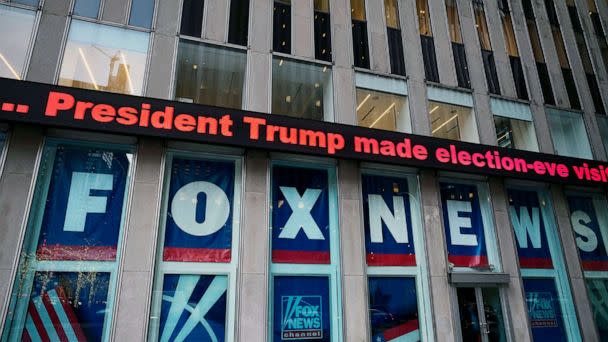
[[481, 318]]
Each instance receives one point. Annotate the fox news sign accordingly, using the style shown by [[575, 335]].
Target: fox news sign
[[301, 317]]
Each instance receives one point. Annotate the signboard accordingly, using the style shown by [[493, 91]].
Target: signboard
[[590, 231], [544, 310], [28, 102]]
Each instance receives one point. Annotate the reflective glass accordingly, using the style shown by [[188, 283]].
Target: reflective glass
[[513, 133], [105, 58], [424, 18], [568, 133], [301, 89], [393, 309], [544, 309], [598, 296], [210, 75], [141, 13], [14, 46], [72, 244], [33, 3], [192, 18], [239, 22], [382, 110], [454, 122], [87, 8]]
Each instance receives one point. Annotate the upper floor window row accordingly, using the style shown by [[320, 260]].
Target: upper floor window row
[[140, 12]]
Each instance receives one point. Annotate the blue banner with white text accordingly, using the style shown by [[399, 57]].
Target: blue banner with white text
[[589, 231], [544, 310]]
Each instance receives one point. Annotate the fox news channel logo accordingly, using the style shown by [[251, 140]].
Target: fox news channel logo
[[301, 317], [542, 313]]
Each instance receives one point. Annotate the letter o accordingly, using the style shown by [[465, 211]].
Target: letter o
[[183, 208]]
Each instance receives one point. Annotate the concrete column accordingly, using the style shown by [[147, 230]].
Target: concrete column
[[164, 42], [516, 302], [441, 292], [345, 101], [485, 119], [16, 188], [302, 29], [253, 285], [259, 59], [139, 245], [260, 34], [497, 37], [46, 54], [115, 11], [578, 287], [414, 67], [378, 42], [215, 22], [443, 43]]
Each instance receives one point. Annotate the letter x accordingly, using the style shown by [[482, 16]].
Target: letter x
[[300, 217]]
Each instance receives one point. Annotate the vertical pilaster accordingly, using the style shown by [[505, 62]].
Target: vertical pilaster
[[216, 20], [342, 72], [443, 43], [302, 26], [497, 37], [376, 25]]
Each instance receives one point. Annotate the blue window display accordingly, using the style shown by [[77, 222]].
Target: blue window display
[[388, 222], [393, 309], [300, 216], [301, 309], [544, 310], [66, 306], [193, 308], [199, 211], [598, 296], [588, 218], [530, 229], [464, 225]]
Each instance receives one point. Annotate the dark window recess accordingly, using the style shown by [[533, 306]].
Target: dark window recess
[[595, 94], [528, 11], [503, 5], [489, 66], [430, 60], [460, 61], [551, 13], [239, 22], [322, 36], [571, 89], [518, 77], [395, 50], [597, 24], [281, 38], [576, 24], [192, 18], [360, 45], [545, 83]]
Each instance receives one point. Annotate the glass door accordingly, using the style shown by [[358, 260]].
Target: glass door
[[481, 316]]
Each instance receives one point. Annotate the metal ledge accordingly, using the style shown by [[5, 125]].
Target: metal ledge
[[478, 279]]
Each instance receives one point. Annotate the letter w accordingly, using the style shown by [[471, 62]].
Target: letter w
[[396, 224], [300, 217], [523, 224]]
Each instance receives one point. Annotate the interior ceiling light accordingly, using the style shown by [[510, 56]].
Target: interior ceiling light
[[445, 123], [89, 71], [383, 114], [363, 102], [434, 109], [10, 67]]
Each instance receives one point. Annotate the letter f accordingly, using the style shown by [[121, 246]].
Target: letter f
[[80, 201]]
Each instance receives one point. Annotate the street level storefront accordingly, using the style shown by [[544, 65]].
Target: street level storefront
[[83, 225]]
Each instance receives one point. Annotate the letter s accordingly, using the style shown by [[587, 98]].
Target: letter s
[[578, 220]]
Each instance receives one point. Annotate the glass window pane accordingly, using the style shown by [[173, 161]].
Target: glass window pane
[[321, 5], [544, 310], [184, 293], [392, 14], [424, 18], [454, 122], [509, 34], [210, 75], [192, 18], [453, 21], [141, 13], [482, 26], [105, 58], [513, 133], [87, 8], [33, 3], [382, 110], [14, 46], [393, 309], [568, 133], [589, 218], [301, 309], [239, 22], [598, 296], [300, 216], [75, 223], [281, 28], [602, 123], [322, 32], [357, 9], [301, 89]]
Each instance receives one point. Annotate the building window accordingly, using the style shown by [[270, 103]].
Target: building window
[[14, 47], [550, 306], [395, 44], [192, 18], [469, 229], [599, 33], [239, 22], [359, 27], [568, 133], [426, 38], [514, 125], [322, 30], [141, 13], [394, 249], [451, 115], [460, 57], [598, 293], [210, 75], [512, 50], [301, 89], [486, 47], [87, 8], [197, 258], [382, 103], [69, 261], [602, 123], [305, 258], [104, 58], [281, 28]]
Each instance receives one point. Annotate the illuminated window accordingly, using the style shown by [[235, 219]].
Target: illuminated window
[[451, 114], [104, 58], [301, 89], [359, 27], [210, 74], [487, 54], [281, 28], [568, 133], [513, 123], [395, 44], [426, 39], [192, 18], [460, 57], [424, 18], [512, 50], [382, 103], [14, 47], [322, 30], [239, 22]]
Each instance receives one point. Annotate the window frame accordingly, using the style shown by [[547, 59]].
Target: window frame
[[30, 44], [230, 270]]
